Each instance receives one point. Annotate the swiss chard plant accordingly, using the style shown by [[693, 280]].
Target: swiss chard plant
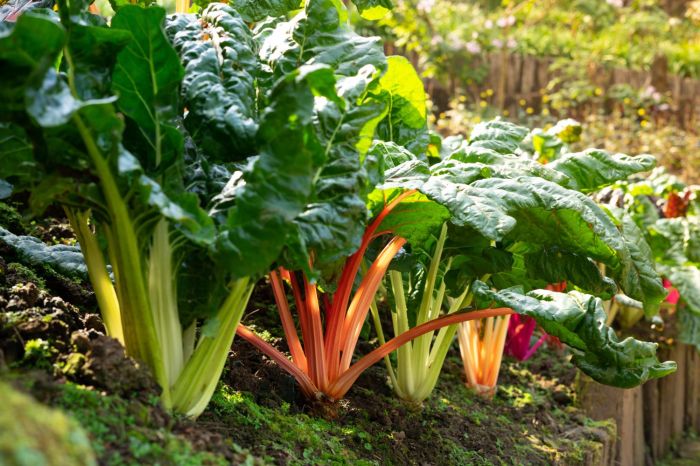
[[184, 161], [515, 226]]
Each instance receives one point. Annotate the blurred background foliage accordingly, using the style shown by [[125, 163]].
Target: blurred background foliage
[[629, 70]]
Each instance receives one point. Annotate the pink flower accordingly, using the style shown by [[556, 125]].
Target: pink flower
[[520, 331], [673, 294], [473, 47]]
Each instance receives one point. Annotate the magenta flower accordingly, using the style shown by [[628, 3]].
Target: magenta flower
[[673, 294], [520, 331]]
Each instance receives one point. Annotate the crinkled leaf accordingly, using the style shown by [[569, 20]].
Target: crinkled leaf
[[579, 321], [638, 277], [320, 35], [594, 169], [505, 165], [65, 259], [332, 225], [27, 50], [276, 186], [498, 135], [255, 10], [220, 60], [554, 266], [416, 219]]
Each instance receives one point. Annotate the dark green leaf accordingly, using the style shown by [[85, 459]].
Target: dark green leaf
[[554, 266], [147, 79], [218, 89], [255, 10], [579, 321], [65, 259]]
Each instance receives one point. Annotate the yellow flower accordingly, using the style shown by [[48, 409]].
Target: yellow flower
[[644, 123], [545, 98], [545, 111], [522, 102], [489, 92], [529, 110], [641, 112], [482, 95], [442, 115], [482, 103], [598, 91], [626, 101], [462, 98], [506, 113]]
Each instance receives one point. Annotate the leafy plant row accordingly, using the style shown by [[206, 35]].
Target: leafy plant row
[[197, 153]]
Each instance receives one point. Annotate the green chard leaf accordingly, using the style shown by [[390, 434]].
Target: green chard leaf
[[373, 9], [219, 56], [594, 169], [256, 10], [402, 90], [554, 266], [500, 136], [64, 259], [147, 79], [578, 320], [320, 35], [275, 187]]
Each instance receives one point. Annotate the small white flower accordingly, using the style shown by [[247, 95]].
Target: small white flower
[[616, 3], [505, 21], [426, 6], [498, 43], [473, 47], [488, 24], [511, 43]]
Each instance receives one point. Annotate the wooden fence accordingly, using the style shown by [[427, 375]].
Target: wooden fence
[[516, 77], [651, 418]]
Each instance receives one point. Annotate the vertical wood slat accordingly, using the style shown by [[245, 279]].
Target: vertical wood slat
[[692, 387], [652, 424]]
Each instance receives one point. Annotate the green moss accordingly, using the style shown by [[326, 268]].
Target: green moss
[[37, 353], [34, 435], [11, 219], [125, 433], [304, 439], [19, 273]]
